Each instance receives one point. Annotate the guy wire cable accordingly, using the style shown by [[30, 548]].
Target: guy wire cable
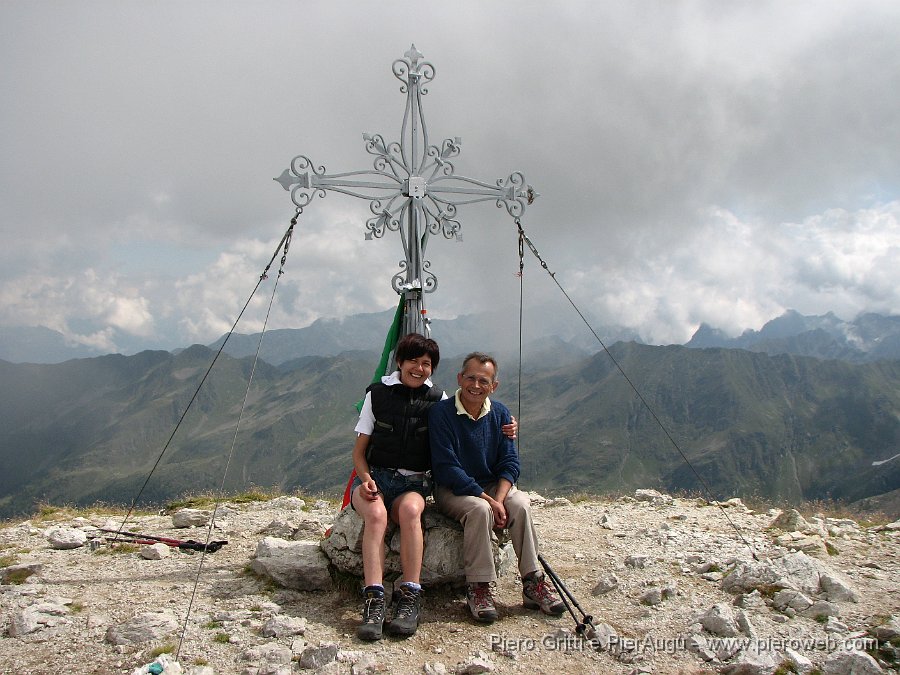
[[286, 241], [521, 275], [634, 388], [262, 277]]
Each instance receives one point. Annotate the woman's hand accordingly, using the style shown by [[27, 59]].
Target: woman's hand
[[369, 490]]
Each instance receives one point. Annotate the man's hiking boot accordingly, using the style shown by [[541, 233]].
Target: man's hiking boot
[[372, 615], [481, 603], [406, 611], [538, 593]]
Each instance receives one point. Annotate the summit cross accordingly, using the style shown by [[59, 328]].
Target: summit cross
[[413, 189]]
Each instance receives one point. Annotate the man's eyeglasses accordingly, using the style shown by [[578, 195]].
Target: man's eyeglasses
[[480, 381]]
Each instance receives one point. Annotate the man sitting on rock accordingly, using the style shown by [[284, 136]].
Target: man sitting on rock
[[475, 468]]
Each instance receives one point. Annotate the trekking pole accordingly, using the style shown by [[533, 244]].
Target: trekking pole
[[584, 627], [189, 545]]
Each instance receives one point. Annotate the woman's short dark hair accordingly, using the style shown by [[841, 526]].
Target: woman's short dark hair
[[413, 345]]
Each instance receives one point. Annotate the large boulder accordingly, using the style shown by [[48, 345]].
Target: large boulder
[[66, 537], [143, 628], [442, 562], [794, 571], [191, 518], [299, 565], [37, 617]]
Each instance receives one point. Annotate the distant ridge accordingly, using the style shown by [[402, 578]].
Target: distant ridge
[[784, 427], [869, 337]]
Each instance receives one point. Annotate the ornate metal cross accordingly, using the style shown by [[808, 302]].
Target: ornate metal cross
[[412, 189]]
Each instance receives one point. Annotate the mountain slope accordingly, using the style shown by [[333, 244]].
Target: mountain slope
[[782, 427]]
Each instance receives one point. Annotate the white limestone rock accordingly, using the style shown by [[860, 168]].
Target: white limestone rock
[[605, 584], [269, 653], [851, 663], [795, 571], [143, 628], [790, 520], [299, 565], [720, 620], [280, 626], [314, 658], [654, 497], [191, 518], [638, 561], [63, 538], [37, 617], [155, 551], [442, 562]]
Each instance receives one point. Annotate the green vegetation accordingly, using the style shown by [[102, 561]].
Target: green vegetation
[[781, 428], [114, 549], [167, 648], [786, 668], [768, 590], [7, 560], [212, 624], [18, 576], [222, 638], [208, 500]]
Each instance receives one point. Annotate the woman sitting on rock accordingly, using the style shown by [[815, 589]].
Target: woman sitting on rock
[[392, 460]]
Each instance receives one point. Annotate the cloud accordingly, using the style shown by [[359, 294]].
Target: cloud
[[69, 304], [696, 161], [752, 271]]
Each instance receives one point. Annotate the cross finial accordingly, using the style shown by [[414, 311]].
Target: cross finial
[[413, 55]]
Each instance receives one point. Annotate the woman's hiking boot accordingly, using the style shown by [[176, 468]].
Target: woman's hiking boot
[[537, 593], [481, 602], [407, 605], [372, 614]]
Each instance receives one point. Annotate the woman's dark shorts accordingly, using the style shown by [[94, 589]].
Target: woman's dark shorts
[[392, 484]]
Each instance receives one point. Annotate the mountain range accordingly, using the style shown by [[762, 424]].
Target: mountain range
[[868, 337], [719, 420]]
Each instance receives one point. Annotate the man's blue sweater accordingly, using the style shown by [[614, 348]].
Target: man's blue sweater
[[467, 454]]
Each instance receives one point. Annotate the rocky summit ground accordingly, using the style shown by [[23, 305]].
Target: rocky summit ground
[[671, 585]]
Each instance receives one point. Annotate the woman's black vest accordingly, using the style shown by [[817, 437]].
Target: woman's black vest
[[400, 436]]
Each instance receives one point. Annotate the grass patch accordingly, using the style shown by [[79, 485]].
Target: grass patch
[[787, 666], [167, 648], [114, 549], [76, 607], [192, 502], [208, 500], [7, 560], [768, 590], [18, 576], [821, 618], [222, 638], [255, 495], [46, 511], [200, 661], [213, 624], [831, 548]]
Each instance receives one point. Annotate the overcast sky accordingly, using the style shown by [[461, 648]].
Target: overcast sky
[[714, 162]]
